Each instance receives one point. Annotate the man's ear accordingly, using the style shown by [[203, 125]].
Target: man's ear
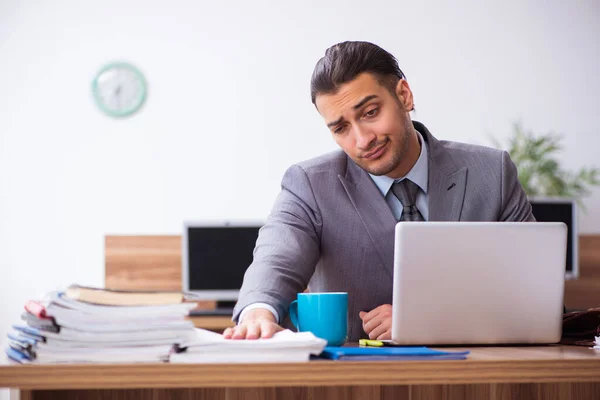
[[405, 95]]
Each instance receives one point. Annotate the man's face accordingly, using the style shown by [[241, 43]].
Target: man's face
[[372, 125]]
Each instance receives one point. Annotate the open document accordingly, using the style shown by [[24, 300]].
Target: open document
[[284, 346]]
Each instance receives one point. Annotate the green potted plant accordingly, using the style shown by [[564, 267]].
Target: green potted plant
[[540, 170]]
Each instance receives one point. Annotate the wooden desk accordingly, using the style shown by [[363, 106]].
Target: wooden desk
[[544, 372], [212, 323]]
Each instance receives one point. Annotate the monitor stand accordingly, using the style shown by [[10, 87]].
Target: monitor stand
[[224, 308]]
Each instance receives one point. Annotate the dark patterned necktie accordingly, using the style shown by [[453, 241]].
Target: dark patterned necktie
[[406, 191]]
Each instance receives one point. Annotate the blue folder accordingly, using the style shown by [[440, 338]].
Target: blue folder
[[28, 330], [390, 353], [17, 356]]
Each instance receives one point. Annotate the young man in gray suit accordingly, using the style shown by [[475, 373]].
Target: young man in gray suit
[[332, 226]]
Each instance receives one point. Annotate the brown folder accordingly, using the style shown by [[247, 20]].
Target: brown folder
[[581, 327]]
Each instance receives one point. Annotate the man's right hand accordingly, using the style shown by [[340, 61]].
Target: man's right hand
[[257, 323]]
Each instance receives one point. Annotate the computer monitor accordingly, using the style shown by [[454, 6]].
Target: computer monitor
[[215, 256], [561, 210]]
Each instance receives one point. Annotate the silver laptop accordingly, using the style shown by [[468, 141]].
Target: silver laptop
[[478, 282]]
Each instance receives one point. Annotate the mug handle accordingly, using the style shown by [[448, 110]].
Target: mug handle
[[294, 313]]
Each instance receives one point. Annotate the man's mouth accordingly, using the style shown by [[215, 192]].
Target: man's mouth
[[374, 154]]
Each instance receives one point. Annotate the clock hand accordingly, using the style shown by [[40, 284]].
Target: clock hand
[[118, 95]]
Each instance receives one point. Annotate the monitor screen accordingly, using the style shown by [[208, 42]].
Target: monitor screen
[[215, 258], [559, 210]]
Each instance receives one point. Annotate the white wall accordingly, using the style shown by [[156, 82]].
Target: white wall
[[229, 108]]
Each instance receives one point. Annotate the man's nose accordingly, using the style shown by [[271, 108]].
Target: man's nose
[[364, 138]]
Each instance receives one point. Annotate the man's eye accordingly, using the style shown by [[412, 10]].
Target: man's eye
[[339, 129], [371, 113]]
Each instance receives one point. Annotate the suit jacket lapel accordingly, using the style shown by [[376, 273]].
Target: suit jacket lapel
[[373, 211], [446, 195], [446, 192], [446, 183]]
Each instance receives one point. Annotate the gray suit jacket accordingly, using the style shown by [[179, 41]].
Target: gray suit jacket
[[331, 229]]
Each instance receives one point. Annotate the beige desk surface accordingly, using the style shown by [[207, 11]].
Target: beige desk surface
[[485, 365]]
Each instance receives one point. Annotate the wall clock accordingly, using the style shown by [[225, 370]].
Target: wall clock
[[119, 89]]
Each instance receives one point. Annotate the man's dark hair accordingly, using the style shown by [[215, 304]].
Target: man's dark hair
[[345, 61]]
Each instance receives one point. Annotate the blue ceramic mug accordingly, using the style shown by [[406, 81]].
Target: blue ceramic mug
[[323, 314]]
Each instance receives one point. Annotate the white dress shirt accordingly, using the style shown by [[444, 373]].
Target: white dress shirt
[[419, 174]]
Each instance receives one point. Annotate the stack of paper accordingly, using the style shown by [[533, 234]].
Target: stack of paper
[[64, 330], [284, 346]]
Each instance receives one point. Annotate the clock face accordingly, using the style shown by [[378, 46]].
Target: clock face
[[119, 89]]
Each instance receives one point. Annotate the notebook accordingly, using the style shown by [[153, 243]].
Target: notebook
[[122, 297]]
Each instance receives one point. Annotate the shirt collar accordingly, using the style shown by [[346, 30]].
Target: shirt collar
[[418, 174]]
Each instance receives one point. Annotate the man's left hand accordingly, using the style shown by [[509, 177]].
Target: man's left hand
[[377, 323]]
